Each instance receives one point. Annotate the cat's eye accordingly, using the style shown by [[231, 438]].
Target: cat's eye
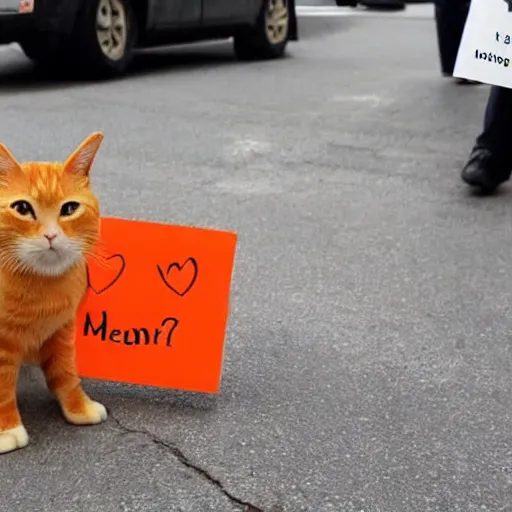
[[23, 208], [69, 208]]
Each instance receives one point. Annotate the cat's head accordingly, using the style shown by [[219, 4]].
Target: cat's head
[[49, 217]]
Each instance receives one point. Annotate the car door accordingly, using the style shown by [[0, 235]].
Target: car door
[[174, 13], [219, 11]]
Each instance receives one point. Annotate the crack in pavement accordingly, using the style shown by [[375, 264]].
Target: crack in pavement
[[181, 457]]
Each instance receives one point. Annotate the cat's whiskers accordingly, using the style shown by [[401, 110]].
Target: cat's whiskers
[[98, 253], [12, 265], [99, 246], [101, 262]]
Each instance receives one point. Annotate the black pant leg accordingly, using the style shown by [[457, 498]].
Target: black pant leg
[[450, 16], [497, 133]]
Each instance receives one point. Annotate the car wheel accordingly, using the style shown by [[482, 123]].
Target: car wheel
[[104, 36], [269, 37]]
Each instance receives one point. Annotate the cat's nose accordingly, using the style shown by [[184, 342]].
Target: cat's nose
[[50, 238]]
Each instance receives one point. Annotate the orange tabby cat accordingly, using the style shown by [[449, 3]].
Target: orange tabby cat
[[49, 223]]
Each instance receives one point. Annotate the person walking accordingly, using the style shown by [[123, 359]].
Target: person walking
[[490, 162], [450, 18]]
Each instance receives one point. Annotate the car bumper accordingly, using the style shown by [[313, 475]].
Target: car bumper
[[15, 17], [20, 17]]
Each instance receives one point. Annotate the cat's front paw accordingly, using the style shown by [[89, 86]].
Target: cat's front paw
[[93, 413], [13, 439]]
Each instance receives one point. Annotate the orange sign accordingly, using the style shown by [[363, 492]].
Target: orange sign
[[157, 305]]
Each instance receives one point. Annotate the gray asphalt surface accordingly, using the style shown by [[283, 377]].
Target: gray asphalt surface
[[368, 361]]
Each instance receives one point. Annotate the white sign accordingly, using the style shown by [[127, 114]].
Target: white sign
[[485, 51]]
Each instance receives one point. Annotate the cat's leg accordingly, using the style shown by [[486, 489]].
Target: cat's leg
[[57, 359], [12, 432]]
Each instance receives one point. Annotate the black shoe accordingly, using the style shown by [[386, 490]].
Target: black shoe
[[482, 171]]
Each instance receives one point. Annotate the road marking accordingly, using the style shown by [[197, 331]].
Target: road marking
[[418, 11]]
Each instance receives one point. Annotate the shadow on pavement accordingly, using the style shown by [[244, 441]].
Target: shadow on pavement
[[318, 27], [40, 410], [20, 75]]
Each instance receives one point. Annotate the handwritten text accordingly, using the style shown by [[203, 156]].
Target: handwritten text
[[505, 39], [134, 336], [492, 57]]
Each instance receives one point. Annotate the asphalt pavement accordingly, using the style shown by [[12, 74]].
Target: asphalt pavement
[[368, 359]]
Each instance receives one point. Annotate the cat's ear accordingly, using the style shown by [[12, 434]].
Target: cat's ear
[[80, 161], [8, 164]]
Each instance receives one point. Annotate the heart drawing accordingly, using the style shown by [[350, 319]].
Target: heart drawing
[[180, 278], [104, 277]]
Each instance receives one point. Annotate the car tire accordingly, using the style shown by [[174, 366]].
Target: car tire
[[104, 36], [268, 38], [47, 50], [35, 48]]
